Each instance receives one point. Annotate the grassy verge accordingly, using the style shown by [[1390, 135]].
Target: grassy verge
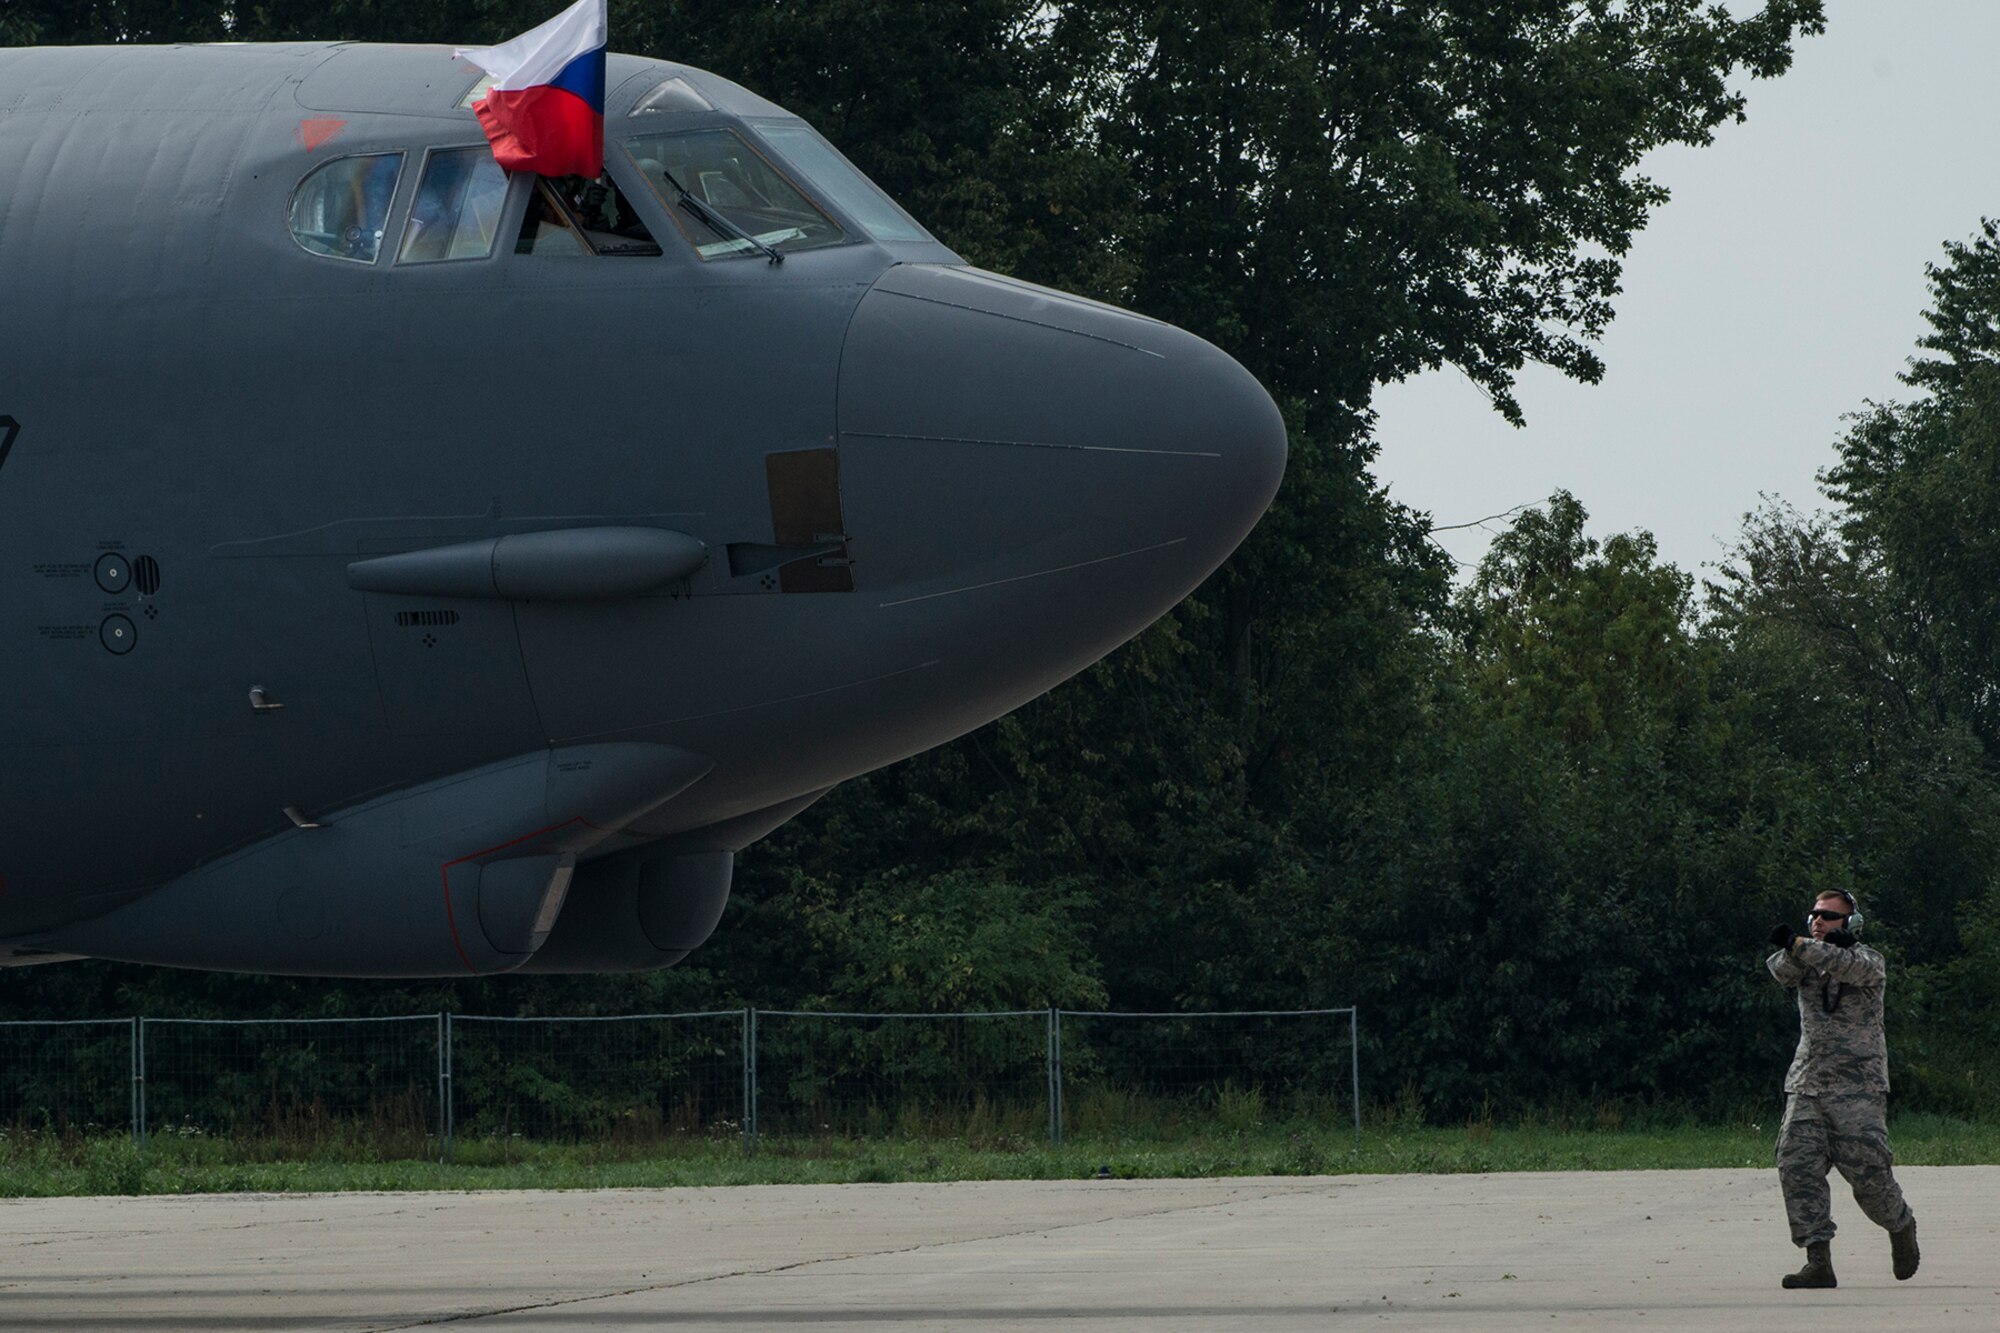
[[52, 1164]]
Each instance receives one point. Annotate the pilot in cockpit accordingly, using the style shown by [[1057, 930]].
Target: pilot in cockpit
[[579, 215], [600, 207]]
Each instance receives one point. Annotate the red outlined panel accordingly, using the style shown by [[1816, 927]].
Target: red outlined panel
[[444, 874]]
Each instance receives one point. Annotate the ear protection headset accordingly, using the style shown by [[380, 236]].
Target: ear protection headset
[[1853, 922]]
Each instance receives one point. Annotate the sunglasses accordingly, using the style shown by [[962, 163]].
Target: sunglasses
[[1821, 914]]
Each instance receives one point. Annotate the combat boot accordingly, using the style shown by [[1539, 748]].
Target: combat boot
[[1903, 1251], [1818, 1271]]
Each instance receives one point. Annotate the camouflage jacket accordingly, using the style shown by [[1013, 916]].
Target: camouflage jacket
[[1841, 1046]]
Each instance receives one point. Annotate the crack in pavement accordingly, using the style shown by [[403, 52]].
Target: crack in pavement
[[561, 1301]]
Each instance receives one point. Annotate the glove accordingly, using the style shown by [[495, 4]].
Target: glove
[[1844, 938], [1782, 936]]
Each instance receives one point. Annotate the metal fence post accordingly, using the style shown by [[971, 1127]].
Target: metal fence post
[[444, 1088], [1056, 1072], [134, 1053], [1053, 1133], [139, 1078], [1354, 1068], [750, 1079]]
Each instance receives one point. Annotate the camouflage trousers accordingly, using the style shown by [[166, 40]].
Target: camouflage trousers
[[1847, 1130]]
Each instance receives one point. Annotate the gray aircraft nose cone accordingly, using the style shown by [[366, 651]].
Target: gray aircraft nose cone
[[1005, 427], [1036, 476]]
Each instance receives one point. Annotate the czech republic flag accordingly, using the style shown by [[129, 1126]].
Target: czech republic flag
[[545, 110]]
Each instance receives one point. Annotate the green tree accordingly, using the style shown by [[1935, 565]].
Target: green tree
[[1865, 646], [1552, 894], [1344, 192], [964, 942], [18, 30], [1574, 636], [1920, 488], [1888, 610]]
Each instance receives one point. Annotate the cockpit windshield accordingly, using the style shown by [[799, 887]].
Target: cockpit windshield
[[837, 179], [727, 196]]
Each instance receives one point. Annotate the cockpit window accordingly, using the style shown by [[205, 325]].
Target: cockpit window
[[837, 179], [570, 215], [457, 210], [727, 197], [546, 230], [481, 86], [340, 208], [675, 94]]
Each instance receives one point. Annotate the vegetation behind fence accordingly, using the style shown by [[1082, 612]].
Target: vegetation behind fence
[[409, 1086]]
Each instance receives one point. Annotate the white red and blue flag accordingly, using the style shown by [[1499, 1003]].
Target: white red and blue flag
[[545, 110]]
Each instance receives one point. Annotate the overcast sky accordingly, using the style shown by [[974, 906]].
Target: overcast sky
[[1779, 288]]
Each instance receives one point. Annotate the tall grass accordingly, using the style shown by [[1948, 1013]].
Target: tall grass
[[1228, 1132]]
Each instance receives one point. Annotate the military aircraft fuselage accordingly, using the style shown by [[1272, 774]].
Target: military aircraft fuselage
[[377, 599]]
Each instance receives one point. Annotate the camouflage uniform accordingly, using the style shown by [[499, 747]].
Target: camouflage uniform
[[1837, 1093]]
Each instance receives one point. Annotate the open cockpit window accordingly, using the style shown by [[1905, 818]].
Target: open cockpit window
[[727, 196], [341, 207], [457, 210], [546, 231], [569, 215]]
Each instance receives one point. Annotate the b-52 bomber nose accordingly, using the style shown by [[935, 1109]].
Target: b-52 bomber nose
[[1039, 476], [631, 521]]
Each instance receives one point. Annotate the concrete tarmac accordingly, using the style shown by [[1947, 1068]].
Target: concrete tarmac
[[1635, 1249]]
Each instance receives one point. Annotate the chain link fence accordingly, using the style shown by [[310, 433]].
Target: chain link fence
[[1239, 1067], [306, 1082], [983, 1076], [57, 1076], [631, 1079], [410, 1085]]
